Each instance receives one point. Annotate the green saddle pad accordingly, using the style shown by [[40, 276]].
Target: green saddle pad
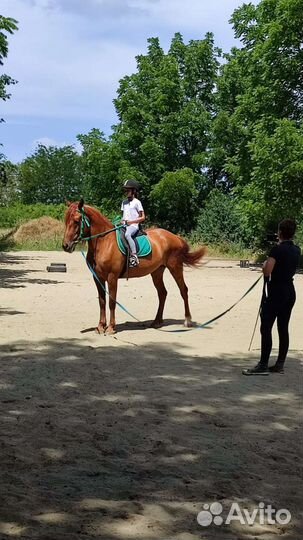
[[143, 242]]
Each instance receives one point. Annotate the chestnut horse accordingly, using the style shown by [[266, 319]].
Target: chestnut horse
[[168, 251]]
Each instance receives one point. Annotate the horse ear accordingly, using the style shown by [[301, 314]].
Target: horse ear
[[81, 204]]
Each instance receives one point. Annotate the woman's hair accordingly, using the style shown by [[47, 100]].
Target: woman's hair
[[287, 228]]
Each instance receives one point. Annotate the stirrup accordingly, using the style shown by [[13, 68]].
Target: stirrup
[[133, 261]]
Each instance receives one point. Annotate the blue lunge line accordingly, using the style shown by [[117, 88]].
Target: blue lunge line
[[230, 308], [196, 327], [106, 291]]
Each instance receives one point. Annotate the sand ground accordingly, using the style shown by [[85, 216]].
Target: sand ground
[[128, 436]]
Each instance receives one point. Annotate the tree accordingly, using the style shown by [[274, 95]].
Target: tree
[[165, 108], [257, 132], [94, 146], [218, 221], [7, 26], [9, 183], [104, 169], [51, 175], [262, 81], [174, 200], [276, 188], [272, 35]]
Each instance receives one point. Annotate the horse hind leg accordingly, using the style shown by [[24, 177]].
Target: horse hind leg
[[157, 277], [176, 270]]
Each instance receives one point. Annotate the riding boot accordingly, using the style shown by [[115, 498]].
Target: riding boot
[[133, 261]]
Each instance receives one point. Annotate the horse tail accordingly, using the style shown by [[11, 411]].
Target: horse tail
[[189, 258], [193, 258]]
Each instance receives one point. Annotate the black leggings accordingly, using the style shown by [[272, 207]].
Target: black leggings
[[278, 305]]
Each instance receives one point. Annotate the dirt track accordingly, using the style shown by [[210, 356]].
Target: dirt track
[[128, 436]]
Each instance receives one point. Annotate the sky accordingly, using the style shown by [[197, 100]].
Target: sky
[[68, 57]]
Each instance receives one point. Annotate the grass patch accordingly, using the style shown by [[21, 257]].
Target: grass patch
[[43, 234], [51, 244], [230, 251], [6, 239]]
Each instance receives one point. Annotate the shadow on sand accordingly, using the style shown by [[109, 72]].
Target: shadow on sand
[[116, 442]]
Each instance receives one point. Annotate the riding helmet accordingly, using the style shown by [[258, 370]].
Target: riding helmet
[[132, 184]]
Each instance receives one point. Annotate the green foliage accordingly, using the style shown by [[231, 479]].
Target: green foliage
[[272, 35], [299, 234], [104, 170], [7, 26], [51, 176], [9, 183], [173, 201], [260, 82], [256, 144], [276, 187], [196, 134], [218, 222], [165, 108], [14, 215], [278, 168]]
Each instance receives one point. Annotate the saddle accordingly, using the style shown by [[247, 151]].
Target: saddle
[[143, 244]]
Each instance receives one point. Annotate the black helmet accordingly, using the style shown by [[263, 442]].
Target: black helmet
[[132, 184]]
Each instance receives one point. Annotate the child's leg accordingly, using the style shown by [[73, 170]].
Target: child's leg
[[130, 230]]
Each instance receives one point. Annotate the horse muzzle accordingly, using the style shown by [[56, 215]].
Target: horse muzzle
[[69, 247]]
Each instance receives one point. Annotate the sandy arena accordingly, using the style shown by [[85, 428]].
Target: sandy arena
[[127, 437]]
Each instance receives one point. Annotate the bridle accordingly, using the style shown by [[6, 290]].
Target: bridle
[[85, 222]]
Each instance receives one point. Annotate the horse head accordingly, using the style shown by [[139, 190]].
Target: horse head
[[74, 225]]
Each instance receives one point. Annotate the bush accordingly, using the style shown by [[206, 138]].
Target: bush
[[13, 216], [173, 201], [218, 222]]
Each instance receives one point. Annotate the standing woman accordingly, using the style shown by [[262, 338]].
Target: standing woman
[[279, 269]]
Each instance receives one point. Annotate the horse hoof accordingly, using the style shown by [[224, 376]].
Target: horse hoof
[[110, 331], [188, 323], [156, 324], [100, 330]]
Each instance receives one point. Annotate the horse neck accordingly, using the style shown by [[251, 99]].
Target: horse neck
[[98, 222]]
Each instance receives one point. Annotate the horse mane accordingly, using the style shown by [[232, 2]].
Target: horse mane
[[91, 212], [96, 215]]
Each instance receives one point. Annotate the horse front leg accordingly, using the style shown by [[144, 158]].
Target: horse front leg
[[112, 289], [101, 327]]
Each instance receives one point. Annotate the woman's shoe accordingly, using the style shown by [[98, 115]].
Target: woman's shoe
[[257, 370], [276, 369]]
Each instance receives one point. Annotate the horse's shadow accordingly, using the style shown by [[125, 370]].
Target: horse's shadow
[[136, 325], [141, 325]]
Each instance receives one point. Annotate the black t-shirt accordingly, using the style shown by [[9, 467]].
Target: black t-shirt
[[287, 257]]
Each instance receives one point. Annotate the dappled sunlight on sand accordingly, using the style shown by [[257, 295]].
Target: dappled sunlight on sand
[[53, 518], [287, 397], [12, 529]]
